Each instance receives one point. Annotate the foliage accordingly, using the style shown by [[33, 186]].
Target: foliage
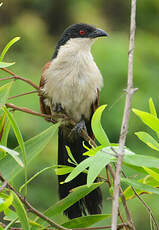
[[111, 57]]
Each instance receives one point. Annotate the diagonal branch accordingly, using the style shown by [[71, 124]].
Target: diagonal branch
[[20, 78], [31, 208], [124, 128]]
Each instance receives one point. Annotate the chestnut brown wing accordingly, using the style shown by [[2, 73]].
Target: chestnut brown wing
[[44, 108]]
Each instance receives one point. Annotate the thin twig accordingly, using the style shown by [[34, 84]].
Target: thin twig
[[23, 94], [21, 78], [124, 127], [6, 78], [147, 207], [144, 203], [32, 209], [26, 110]]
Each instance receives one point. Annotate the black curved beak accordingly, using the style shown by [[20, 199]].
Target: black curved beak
[[98, 33]]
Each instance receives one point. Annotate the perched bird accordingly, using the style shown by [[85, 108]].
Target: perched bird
[[71, 82]]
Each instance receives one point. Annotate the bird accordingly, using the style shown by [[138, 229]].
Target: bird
[[70, 84]]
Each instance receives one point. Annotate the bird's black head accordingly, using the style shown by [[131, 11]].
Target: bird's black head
[[80, 30]]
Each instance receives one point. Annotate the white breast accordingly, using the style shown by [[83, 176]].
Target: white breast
[[73, 78]]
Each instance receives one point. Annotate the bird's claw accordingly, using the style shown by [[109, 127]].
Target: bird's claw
[[79, 127], [57, 108]]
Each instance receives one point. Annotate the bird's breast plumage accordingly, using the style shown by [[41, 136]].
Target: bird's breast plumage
[[72, 79]]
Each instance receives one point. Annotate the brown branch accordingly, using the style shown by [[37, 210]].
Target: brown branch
[[124, 127], [21, 78], [32, 209], [26, 110], [23, 94], [6, 78]]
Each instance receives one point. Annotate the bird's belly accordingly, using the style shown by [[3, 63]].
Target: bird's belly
[[76, 97]]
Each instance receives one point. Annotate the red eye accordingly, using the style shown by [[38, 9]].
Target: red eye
[[82, 32]]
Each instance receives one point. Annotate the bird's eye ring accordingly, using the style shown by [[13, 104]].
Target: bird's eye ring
[[82, 32]]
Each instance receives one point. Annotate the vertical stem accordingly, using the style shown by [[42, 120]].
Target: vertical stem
[[124, 127]]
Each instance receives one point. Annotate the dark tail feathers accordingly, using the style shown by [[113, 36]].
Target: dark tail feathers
[[92, 203]]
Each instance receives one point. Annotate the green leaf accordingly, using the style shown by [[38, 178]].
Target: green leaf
[[10, 214], [19, 138], [5, 201], [97, 127], [149, 180], [4, 93], [1, 4], [70, 154], [141, 160], [35, 175], [85, 221], [140, 186], [152, 173], [16, 131], [6, 64], [95, 164], [33, 147], [93, 151], [5, 133], [149, 119], [152, 107], [10, 224], [21, 212], [8, 46], [76, 194], [63, 170], [148, 140], [13, 153], [153, 111]]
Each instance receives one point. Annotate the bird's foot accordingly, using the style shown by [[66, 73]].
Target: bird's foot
[[57, 108], [79, 127]]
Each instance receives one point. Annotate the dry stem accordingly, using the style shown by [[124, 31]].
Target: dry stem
[[124, 127]]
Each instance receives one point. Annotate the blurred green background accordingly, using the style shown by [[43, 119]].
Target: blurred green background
[[39, 23]]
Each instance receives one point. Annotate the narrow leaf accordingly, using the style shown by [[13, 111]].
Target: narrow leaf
[[5, 134], [21, 212], [1, 4], [95, 164], [85, 221], [33, 146], [6, 201], [10, 224], [8, 46], [70, 154], [63, 170], [35, 175], [6, 64], [149, 119], [140, 186], [141, 160], [16, 131], [79, 169], [19, 139], [4, 93], [148, 140], [152, 107], [97, 127], [13, 154], [152, 173], [95, 167], [76, 194]]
